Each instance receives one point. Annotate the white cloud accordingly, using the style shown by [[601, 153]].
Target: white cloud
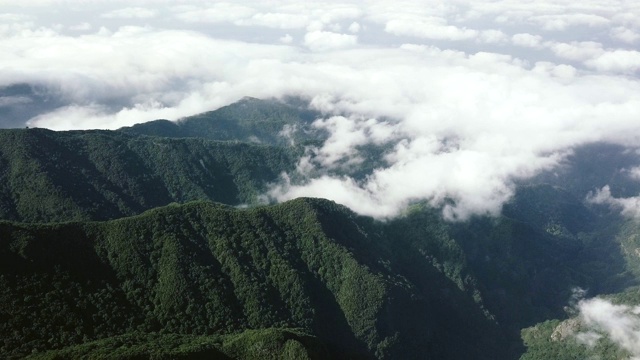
[[625, 61], [500, 97], [277, 15], [561, 22], [492, 36], [621, 324], [527, 40], [13, 17], [286, 39], [276, 20], [216, 13], [577, 50], [85, 26], [627, 206], [354, 28], [327, 40], [625, 34], [559, 71], [633, 173], [429, 28], [131, 13]]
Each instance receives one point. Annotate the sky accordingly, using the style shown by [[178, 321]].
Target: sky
[[468, 96]]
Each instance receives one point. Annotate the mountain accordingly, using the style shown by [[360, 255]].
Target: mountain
[[414, 287], [150, 242], [207, 269], [249, 120], [97, 175], [275, 344]]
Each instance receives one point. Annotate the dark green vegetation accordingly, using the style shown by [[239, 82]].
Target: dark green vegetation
[[207, 269], [126, 245], [276, 344], [96, 175]]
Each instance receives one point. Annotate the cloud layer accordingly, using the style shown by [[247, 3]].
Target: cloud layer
[[465, 97]]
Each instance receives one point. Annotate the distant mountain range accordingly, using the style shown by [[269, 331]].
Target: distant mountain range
[[131, 244]]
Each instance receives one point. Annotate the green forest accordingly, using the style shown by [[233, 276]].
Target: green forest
[[152, 242]]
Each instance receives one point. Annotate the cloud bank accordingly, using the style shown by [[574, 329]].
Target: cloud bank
[[463, 96]]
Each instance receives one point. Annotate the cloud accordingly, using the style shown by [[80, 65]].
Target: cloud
[[275, 20], [215, 13], [527, 40], [354, 28], [633, 173], [131, 69], [13, 100], [131, 13], [627, 206], [492, 36], [327, 40], [85, 26], [286, 39], [460, 99], [624, 34], [577, 50], [625, 61], [429, 28], [620, 323], [13, 17], [561, 22], [558, 71], [277, 15]]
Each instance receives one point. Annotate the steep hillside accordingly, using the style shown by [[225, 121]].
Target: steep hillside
[[264, 344], [207, 269], [414, 287], [94, 175], [568, 335], [529, 261]]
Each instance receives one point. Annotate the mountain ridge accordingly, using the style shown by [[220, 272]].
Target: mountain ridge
[[127, 238], [283, 247], [87, 175], [254, 120]]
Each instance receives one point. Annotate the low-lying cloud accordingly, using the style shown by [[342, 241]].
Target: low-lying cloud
[[619, 323], [464, 97], [629, 206]]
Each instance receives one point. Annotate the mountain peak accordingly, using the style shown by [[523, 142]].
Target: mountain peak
[[249, 119]]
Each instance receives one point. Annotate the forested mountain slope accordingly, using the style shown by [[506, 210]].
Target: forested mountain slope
[[95, 175], [414, 287], [207, 269], [119, 243]]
